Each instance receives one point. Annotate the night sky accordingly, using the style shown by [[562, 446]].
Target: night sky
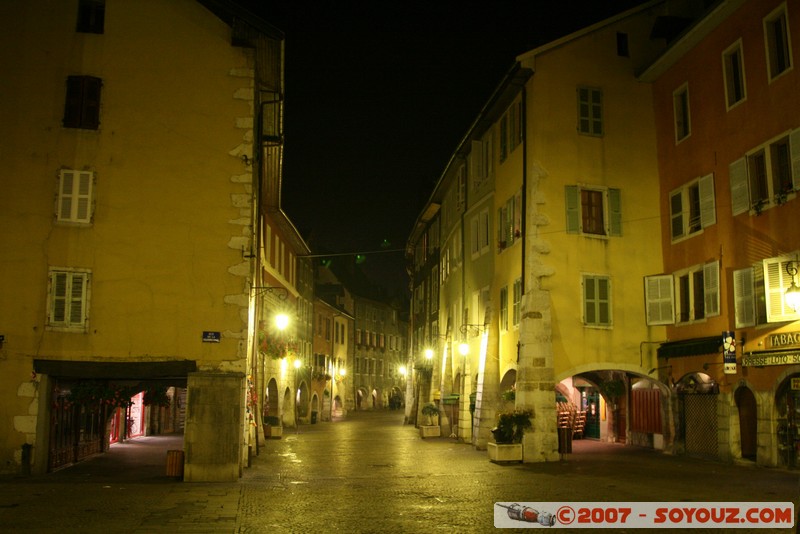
[[378, 96]]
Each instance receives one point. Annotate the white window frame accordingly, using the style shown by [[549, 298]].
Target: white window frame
[[771, 46], [710, 289], [682, 115], [733, 75], [741, 176], [516, 315], [68, 295], [504, 309], [692, 223], [75, 198], [595, 301]]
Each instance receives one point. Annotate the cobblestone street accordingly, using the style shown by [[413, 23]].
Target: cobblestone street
[[367, 473]]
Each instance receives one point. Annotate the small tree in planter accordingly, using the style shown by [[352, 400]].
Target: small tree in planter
[[429, 429], [511, 426], [272, 427], [508, 434]]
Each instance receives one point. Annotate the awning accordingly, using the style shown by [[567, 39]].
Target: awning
[[115, 370], [691, 347]]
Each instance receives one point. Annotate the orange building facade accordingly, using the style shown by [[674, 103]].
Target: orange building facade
[[728, 126]]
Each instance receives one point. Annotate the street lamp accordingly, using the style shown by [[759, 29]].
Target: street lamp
[[792, 295], [281, 321]]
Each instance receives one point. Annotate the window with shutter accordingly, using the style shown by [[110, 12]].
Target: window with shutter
[[659, 299], [596, 300], [711, 288], [75, 196], [692, 208], [68, 300], [767, 176], [776, 281], [595, 211], [743, 298]]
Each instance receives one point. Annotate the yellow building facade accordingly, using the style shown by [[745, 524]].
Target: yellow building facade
[[128, 222]]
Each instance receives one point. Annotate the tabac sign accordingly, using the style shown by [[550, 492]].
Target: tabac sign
[[785, 339]]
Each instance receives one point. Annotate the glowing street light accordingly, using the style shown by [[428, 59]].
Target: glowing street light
[[281, 321]]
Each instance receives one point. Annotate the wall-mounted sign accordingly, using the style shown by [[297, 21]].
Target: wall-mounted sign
[[211, 337], [729, 352], [763, 359], [785, 339]]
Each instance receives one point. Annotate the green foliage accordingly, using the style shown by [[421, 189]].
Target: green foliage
[[272, 420], [430, 410], [512, 425], [510, 395]]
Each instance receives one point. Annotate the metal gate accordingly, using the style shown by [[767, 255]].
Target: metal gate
[[76, 431], [700, 424]]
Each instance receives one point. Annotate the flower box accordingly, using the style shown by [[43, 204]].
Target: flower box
[[504, 452], [430, 431]]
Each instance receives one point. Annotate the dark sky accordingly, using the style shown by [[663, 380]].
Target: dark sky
[[379, 94]]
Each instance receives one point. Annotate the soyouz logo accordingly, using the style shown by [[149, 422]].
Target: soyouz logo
[[644, 515]]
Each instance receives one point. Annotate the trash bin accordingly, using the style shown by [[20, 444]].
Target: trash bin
[[175, 463], [313, 418], [565, 440]]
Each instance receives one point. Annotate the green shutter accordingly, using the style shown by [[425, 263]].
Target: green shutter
[[573, 209], [614, 212]]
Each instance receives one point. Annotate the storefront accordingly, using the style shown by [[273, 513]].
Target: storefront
[[787, 397]]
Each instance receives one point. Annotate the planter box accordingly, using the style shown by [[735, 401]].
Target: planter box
[[433, 431], [504, 452], [273, 432]]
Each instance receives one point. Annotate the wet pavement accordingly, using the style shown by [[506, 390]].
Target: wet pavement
[[366, 473]]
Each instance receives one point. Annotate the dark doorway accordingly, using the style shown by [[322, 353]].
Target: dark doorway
[[748, 422]]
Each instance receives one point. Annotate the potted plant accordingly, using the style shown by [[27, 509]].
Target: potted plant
[[272, 427], [511, 426], [430, 430]]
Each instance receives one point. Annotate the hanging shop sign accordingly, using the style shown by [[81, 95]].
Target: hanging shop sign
[[729, 352]]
